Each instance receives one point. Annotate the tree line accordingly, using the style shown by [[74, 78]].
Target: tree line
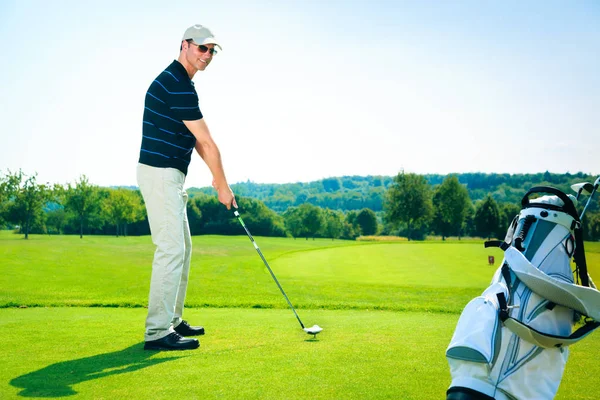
[[411, 207], [72, 208], [83, 208], [357, 192]]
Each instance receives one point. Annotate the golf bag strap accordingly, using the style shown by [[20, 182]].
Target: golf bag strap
[[579, 258], [538, 338], [503, 245], [505, 270], [496, 243]]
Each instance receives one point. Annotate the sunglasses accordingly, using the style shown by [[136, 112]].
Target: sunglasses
[[204, 49]]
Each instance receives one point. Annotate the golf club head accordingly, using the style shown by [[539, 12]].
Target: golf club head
[[583, 188], [590, 190], [313, 330]]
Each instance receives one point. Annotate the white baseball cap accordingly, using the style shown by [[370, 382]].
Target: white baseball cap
[[200, 35]]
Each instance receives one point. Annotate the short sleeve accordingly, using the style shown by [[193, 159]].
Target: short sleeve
[[183, 103]]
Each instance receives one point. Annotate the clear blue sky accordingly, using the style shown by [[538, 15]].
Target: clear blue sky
[[308, 89]]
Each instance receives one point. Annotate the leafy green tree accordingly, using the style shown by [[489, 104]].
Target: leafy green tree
[[8, 187], [349, 231], [56, 219], [301, 199], [312, 219], [206, 215], [408, 201], [334, 223], [351, 218], [487, 217], [348, 182], [211, 217], [83, 202], [591, 226], [353, 201], [367, 221], [450, 203], [468, 228], [25, 208], [194, 215], [123, 206], [507, 212], [331, 184], [261, 220], [281, 201], [374, 198], [293, 222]]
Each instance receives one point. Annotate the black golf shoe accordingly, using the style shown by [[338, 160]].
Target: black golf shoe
[[185, 329], [173, 341]]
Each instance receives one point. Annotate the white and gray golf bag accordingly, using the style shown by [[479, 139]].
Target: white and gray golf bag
[[512, 342]]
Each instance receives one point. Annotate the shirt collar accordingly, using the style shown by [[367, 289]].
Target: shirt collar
[[177, 68]]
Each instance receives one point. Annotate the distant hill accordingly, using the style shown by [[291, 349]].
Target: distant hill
[[356, 192]]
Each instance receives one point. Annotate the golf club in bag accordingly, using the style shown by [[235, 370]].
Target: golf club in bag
[[588, 189], [313, 330]]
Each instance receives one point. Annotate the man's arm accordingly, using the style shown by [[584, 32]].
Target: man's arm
[[208, 150]]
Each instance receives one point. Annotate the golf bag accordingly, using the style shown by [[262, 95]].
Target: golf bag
[[512, 342]]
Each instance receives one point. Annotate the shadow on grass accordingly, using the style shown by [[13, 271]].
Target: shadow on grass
[[56, 380]]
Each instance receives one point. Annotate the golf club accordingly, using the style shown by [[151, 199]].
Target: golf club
[[582, 188], [313, 330], [586, 188]]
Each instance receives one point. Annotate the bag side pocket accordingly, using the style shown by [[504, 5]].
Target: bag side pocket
[[477, 334]]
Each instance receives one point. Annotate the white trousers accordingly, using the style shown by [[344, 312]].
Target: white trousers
[[165, 198]]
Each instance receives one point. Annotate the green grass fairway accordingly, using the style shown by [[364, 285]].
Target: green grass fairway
[[227, 272], [94, 353], [72, 316]]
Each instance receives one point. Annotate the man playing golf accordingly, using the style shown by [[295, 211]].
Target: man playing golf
[[173, 127]]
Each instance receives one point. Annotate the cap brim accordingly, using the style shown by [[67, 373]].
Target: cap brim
[[210, 40]]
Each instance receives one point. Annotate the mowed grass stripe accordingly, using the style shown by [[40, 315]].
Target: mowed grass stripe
[[399, 264], [246, 354], [66, 270]]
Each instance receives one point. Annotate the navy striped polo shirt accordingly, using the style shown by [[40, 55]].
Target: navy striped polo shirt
[[170, 100]]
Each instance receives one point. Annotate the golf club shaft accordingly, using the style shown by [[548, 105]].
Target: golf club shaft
[[596, 184], [237, 214]]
